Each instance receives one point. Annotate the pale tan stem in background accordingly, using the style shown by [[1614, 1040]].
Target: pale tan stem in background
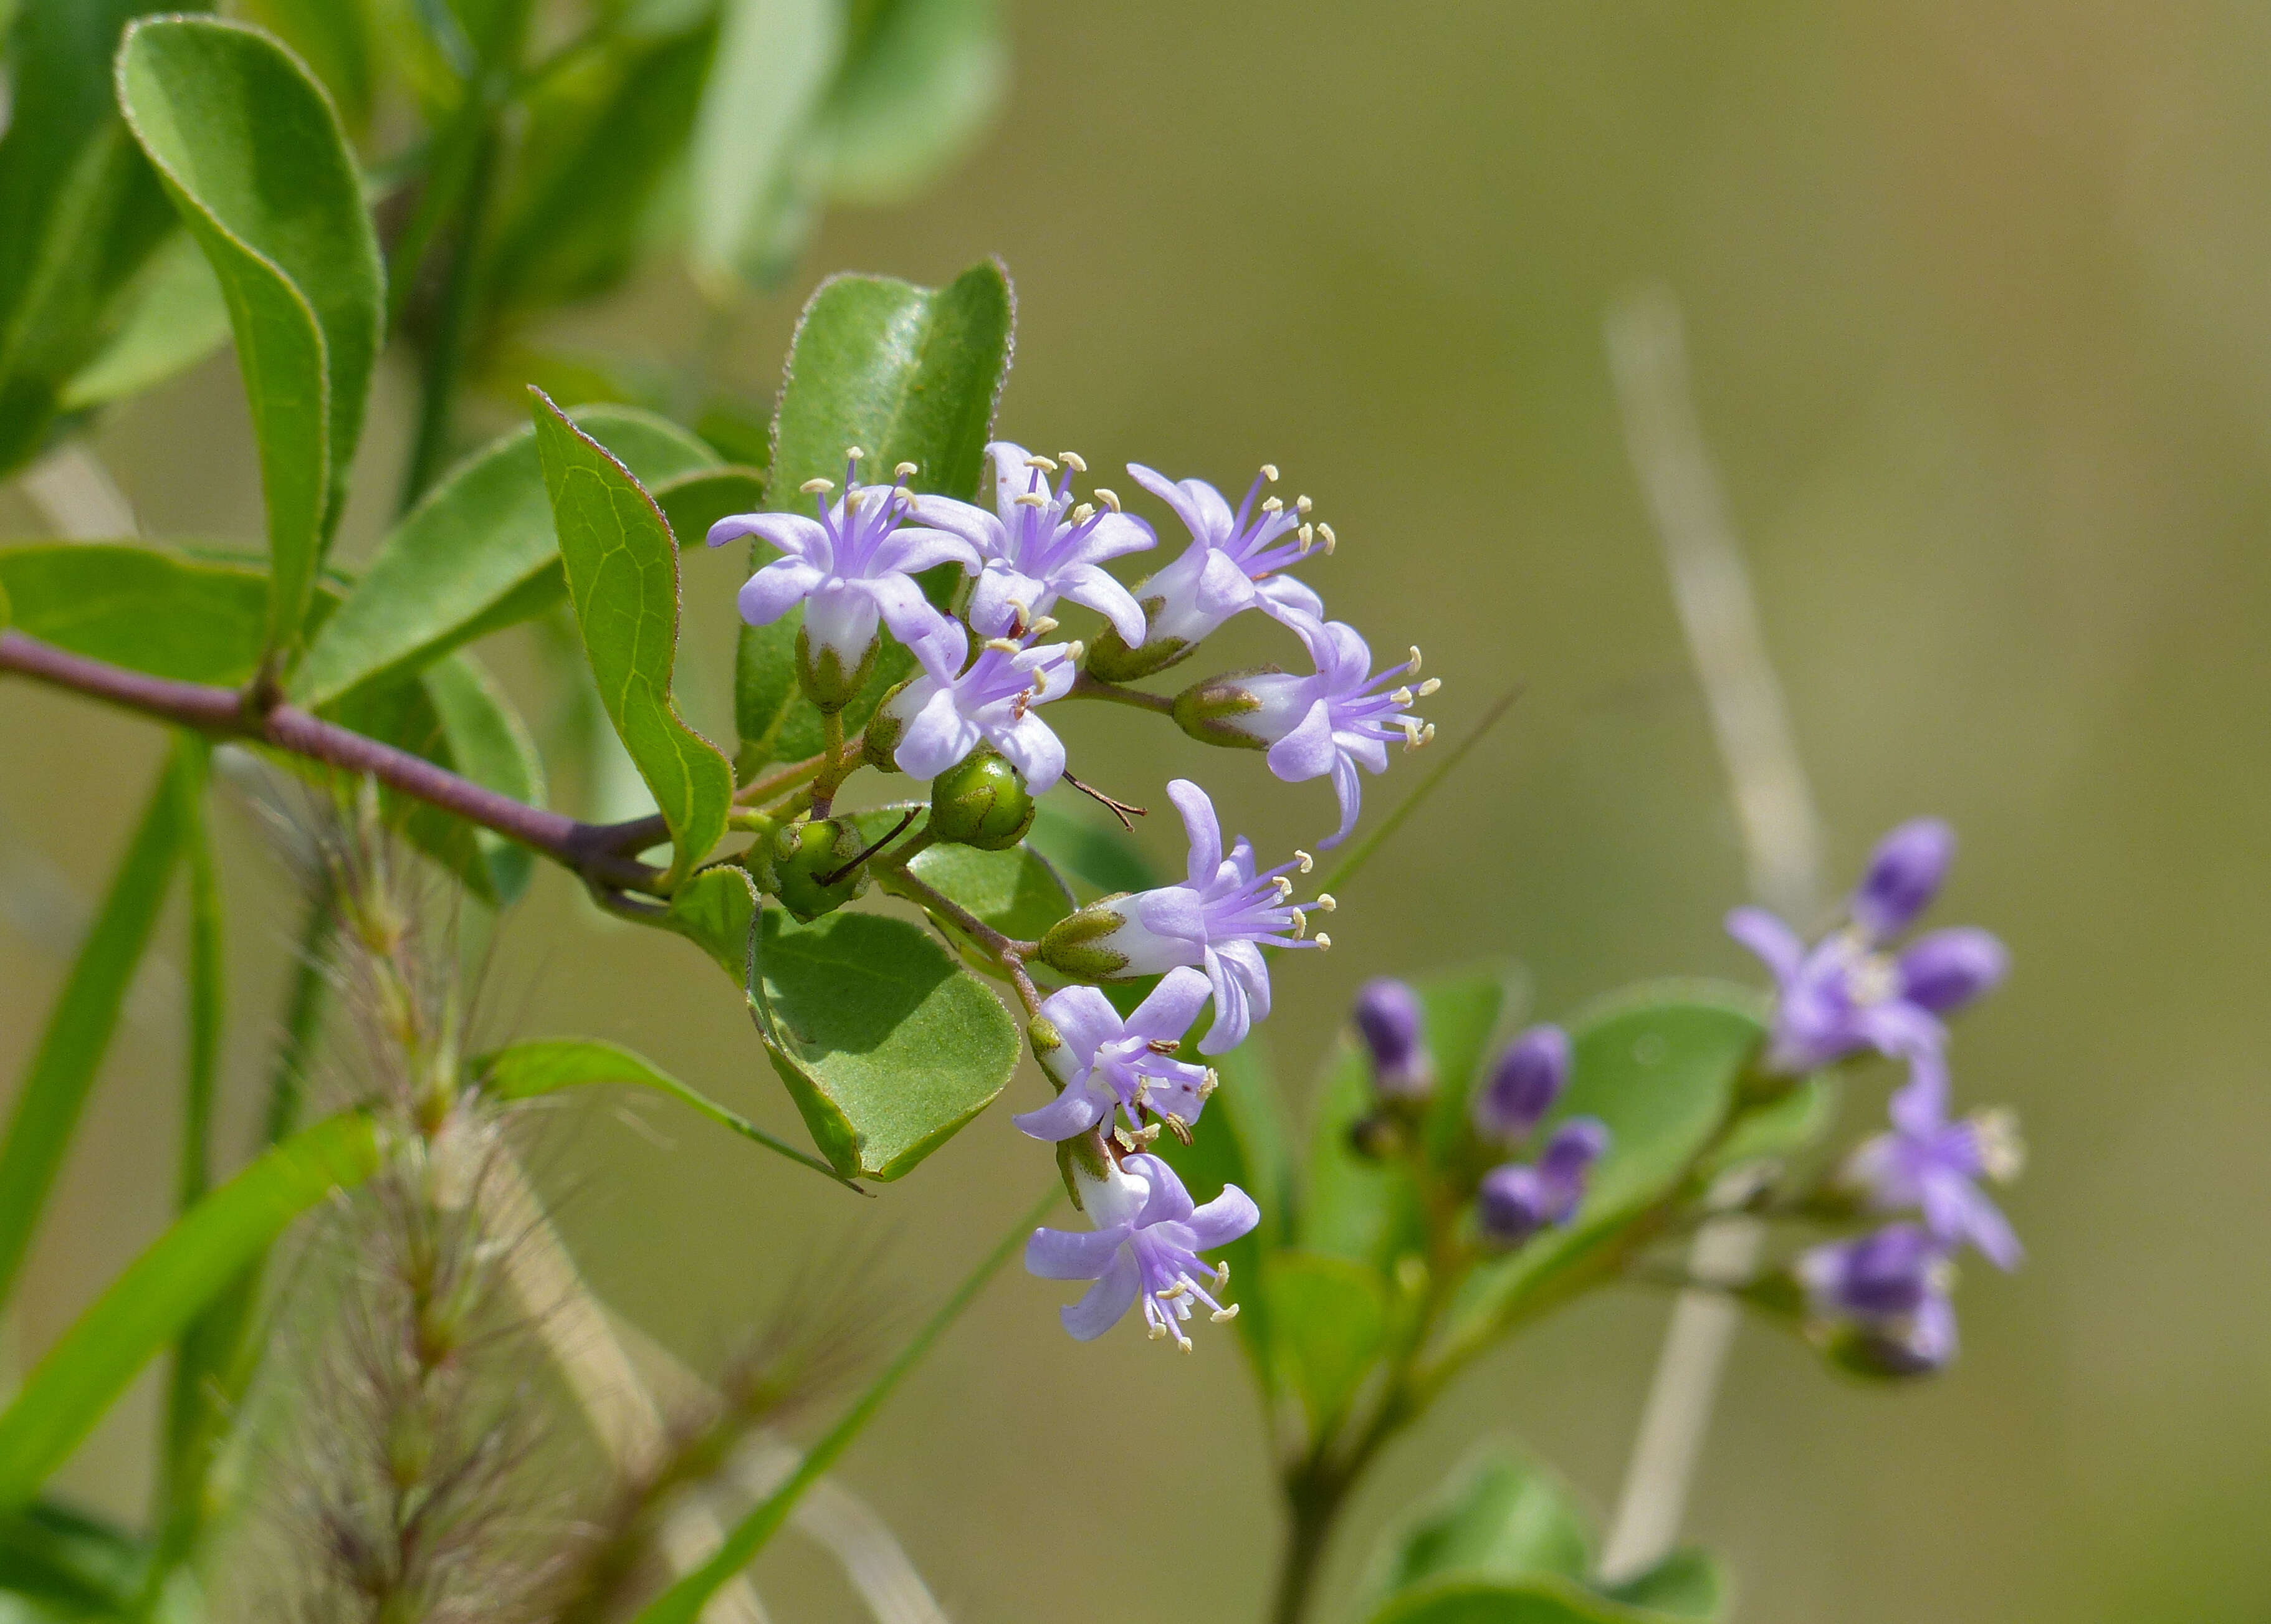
[[77, 496], [1782, 844]]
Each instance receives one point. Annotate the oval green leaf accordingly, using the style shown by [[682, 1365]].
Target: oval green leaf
[[1328, 1320], [253, 156], [1500, 1516], [141, 607], [1541, 1601], [621, 567]]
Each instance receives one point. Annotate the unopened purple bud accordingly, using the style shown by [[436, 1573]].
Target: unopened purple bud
[[1521, 1088], [1947, 969], [1569, 1157], [1515, 1201], [1887, 1275], [1921, 1346], [1904, 876], [1388, 1016]]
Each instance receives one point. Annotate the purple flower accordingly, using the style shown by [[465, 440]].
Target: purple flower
[[1931, 1164], [1233, 562], [1388, 1020], [1517, 1200], [1037, 546], [1340, 717], [1145, 1244], [1219, 919], [1847, 992], [852, 565], [949, 710], [1889, 1289], [1104, 1063], [1521, 1088]]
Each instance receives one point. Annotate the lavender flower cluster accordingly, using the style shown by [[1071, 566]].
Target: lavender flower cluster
[[988, 663]]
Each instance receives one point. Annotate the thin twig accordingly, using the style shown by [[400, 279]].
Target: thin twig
[[1086, 687], [1120, 809], [1782, 843]]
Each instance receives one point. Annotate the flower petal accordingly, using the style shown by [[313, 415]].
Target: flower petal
[[1073, 1254], [1222, 587], [1201, 827], [1778, 947], [974, 524], [1307, 751], [1169, 1202], [938, 737], [1070, 1114], [1222, 1221], [1033, 748], [1084, 1017], [1197, 503], [1105, 1301], [912, 549], [904, 609], [1089, 586], [1350, 788], [792, 533], [1168, 1014], [773, 591], [840, 615]]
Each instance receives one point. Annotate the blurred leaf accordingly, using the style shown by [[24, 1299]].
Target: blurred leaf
[[1242, 1139], [526, 1070], [77, 1033], [1370, 1210], [173, 316], [1687, 1584], [137, 606], [887, 1046], [921, 80], [257, 165], [83, 209], [621, 567], [1658, 1064], [1500, 1516], [1776, 1132], [774, 61], [479, 553], [741, 431], [146, 1307], [1543, 1599], [66, 1565], [1104, 855], [488, 743], [1328, 1320], [602, 138], [692, 502], [910, 374], [335, 38]]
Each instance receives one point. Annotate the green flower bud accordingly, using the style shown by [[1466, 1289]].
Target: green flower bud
[[1209, 711], [799, 856], [882, 739], [825, 679], [981, 802], [1112, 660], [1079, 944]]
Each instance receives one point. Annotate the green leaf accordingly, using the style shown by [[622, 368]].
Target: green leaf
[[164, 1288], [920, 83], [1328, 1321], [602, 137], [172, 315], [1242, 1139], [1543, 1599], [1687, 1584], [67, 1565], [84, 211], [1103, 856], [335, 38], [887, 1046], [695, 501], [526, 1070], [488, 743], [477, 554], [907, 374], [621, 567], [1780, 1131], [139, 608], [252, 154], [1370, 1210], [775, 60], [1501, 1515], [72, 1048], [1658, 1064], [683, 1602], [1015, 892]]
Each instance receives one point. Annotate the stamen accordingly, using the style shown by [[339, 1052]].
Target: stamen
[[1149, 1136], [1401, 695], [1430, 686], [1331, 541], [853, 453], [1212, 1081], [1307, 861], [1270, 472], [817, 488], [1415, 659], [1179, 1127], [1036, 499], [905, 471], [1040, 462], [1158, 1329], [1220, 1315], [1126, 1145], [1324, 903], [1074, 649], [1307, 535], [1110, 499], [1300, 925], [1222, 1276], [1082, 514], [1164, 1046], [1073, 460], [2002, 1153], [1173, 1292], [1301, 504], [1005, 645], [1324, 941], [1273, 504], [1283, 886], [1042, 626], [1183, 1342]]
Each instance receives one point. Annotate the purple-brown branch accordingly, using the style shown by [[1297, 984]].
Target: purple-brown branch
[[600, 852]]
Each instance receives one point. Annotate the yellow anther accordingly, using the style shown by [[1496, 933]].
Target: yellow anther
[[1110, 499], [1220, 1315], [1415, 659], [1006, 645], [1270, 472], [1325, 903], [1222, 1275], [1084, 512], [1074, 461], [1401, 695], [906, 471], [1324, 941], [1430, 686], [1307, 861], [1042, 626], [1173, 1292], [852, 453], [1300, 924], [816, 487], [1285, 886], [1301, 504], [1307, 536], [1074, 649], [1158, 1330], [1273, 504], [1035, 499], [1331, 541], [1040, 462], [1212, 1081]]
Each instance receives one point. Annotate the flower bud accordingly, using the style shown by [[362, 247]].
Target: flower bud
[[1211, 712], [982, 801], [799, 856], [1110, 660], [1388, 1020], [1947, 969], [1080, 944], [1893, 1349], [1521, 1088], [1514, 1201], [1889, 1273], [1904, 876], [824, 676]]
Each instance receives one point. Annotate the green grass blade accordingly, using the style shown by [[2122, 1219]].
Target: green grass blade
[[78, 1031], [682, 1602], [1345, 870], [185, 1269]]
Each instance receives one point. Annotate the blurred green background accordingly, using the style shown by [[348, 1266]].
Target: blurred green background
[[1981, 330]]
